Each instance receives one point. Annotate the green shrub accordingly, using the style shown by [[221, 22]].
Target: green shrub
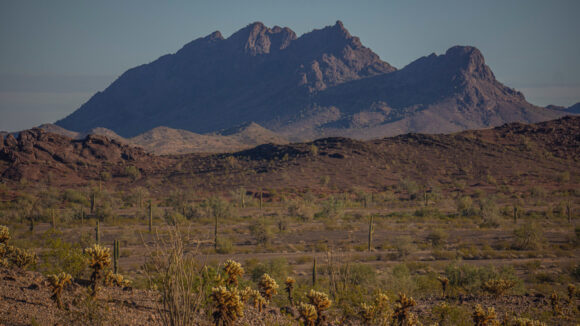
[[224, 245], [61, 256]]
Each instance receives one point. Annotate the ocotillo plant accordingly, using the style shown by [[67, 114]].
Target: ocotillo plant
[[314, 273], [115, 256], [371, 231], [215, 232], [97, 233], [150, 216], [53, 217], [92, 203]]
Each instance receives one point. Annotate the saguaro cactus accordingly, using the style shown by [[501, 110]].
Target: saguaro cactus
[[150, 216], [53, 217], [515, 214], [314, 273], [261, 203], [371, 231], [97, 233], [115, 256]]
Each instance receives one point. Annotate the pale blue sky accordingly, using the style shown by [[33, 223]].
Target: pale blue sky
[[56, 54]]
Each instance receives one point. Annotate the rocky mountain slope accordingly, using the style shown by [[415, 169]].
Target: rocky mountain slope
[[512, 154], [323, 83]]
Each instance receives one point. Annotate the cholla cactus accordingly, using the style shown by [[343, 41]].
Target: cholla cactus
[[571, 293], [3, 255], [20, 257], [320, 301], [520, 321], [116, 280], [234, 271], [58, 282], [484, 318], [99, 259], [444, 283], [228, 306], [268, 287], [254, 297], [307, 313], [4, 234], [497, 287], [555, 303], [378, 313], [289, 287], [367, 313], [402, 306]]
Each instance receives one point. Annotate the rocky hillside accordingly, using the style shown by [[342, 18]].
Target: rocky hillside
[[515, 153], [323, 83]]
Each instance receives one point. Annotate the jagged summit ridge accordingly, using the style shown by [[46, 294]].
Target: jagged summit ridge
[[323, 83]]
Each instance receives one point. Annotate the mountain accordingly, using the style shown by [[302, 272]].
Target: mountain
[[574, 109], [514, 154], [322, 83], [164, 140]]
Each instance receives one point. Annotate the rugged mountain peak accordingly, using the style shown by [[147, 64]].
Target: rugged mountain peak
[[470, 61], [256, 38], [217, 35]]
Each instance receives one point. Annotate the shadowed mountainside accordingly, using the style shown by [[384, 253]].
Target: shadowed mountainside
[[323, 83]]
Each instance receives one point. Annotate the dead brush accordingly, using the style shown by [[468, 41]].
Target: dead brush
[[268, 287], [498, 287], [482, 317], [321, 302], [57, 282], [307, 313], [99, 258], [234, 271], [401, 313], [228, 306]]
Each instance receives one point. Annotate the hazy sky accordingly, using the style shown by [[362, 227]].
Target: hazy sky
[[55, 54]]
